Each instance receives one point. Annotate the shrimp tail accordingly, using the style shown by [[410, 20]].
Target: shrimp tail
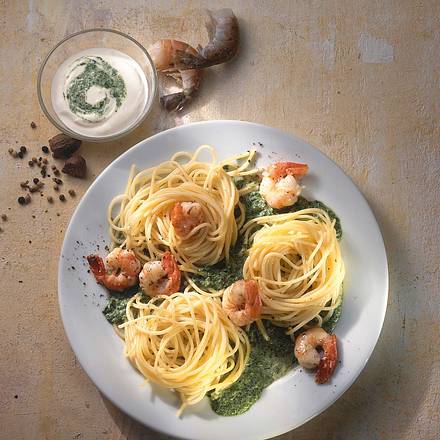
[[253, 299], [282, 169], [169, 265], [174, 101], [97, 266], [328, 362]]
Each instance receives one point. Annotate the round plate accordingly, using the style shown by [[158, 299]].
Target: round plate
[[288, 402]]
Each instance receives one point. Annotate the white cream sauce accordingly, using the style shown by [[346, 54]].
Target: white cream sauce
[[100, 113]]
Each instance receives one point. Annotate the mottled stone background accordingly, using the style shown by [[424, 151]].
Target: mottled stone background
[[358, 79]]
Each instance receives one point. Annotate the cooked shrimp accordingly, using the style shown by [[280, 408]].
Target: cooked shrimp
[[280, 186], [119, 272], [242, 302], [166, 55], [309, 357], [185, 216], [160, 277]]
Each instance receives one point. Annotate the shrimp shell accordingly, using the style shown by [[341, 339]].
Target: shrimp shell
[[224, 34], [166, 55], [223, 45]]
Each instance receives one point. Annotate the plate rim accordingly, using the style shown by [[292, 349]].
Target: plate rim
[[278, 131]]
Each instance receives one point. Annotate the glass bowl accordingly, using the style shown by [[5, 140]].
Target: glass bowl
[[88, 39]]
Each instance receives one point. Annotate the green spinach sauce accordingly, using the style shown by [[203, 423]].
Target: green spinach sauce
[[114, 311], [256, 206], [96, 72], [223, 274], [268, 361]]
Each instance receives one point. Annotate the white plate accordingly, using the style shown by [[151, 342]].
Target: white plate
[[290, 401]]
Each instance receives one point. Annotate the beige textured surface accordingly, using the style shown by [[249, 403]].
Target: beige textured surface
[[358, 79]]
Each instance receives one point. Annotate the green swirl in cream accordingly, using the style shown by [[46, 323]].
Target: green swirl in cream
[[93, 89]]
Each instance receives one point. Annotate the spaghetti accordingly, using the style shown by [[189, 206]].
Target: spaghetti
[[191, 342], [143, 221], [296, 260], [185, 342]]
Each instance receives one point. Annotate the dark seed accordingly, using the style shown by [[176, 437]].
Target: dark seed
[[4, 217], [50, 199], [56, 172], [23, 149], [24, 184], [27, 198], [56, 187], [10, 150], [53, 167], [62, 197], [30, 163], [45, 161], [45, 149], [36, 180], [21, 200], [72, 193], [14, 154], [20, 154], [34, 159]]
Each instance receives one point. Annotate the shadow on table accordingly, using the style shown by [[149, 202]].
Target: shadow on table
[[131, 429]]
